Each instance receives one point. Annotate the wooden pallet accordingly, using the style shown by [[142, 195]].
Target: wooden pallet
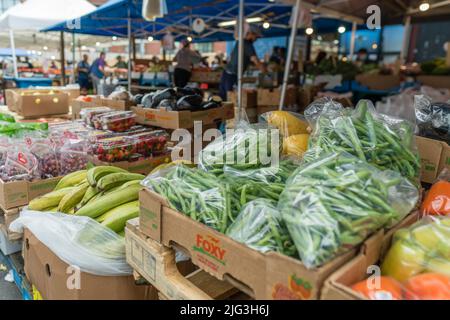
[[157, 264]]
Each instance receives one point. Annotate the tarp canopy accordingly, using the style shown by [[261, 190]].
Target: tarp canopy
[[392, 11], [110, 19], [39, 14]]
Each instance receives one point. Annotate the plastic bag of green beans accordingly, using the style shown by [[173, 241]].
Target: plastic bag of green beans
[[259, 226], [385, 142], [198, 194], [332, 204], [245, 147]]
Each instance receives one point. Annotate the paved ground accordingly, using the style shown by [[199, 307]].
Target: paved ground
[[8, 290]]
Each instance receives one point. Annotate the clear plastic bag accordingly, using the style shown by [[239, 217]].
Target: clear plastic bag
[[20, 164], [4, 146], [432, 118], [246, 147], [417, 265], [73, 156], [335, 202], [259, 226], [44, 151], [289, 123], [78, 241], [197, 194], [265, 182], [382, 141]]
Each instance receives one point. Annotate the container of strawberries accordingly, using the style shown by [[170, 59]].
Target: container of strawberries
[[115, 149], [88, 114], [151, 143], [118, 121]]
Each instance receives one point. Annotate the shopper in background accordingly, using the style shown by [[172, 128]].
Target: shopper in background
[[83, 74], [120, 64], [230, 74], [362, 57], [53, 65], [185, 59], [321, 55], [97, 71]]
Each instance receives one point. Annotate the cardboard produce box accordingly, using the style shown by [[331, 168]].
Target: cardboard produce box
[[166, 119], [378, 81], [49, 274], [78, 105], [437, 82], [180, 280], [19, 193], [261, 276], [9, 95], [434, 157], [249, 98], [9, 215], [38, 103], [142, 166], [8, 246], [205, 76], [178, 147], [120, 105], [272, 97], [337, 286]]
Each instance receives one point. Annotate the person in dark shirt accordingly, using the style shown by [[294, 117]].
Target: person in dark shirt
[[120, 64], [83, 73], [230, 74], [185, 58]]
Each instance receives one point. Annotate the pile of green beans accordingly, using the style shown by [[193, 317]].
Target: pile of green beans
[[368, 136], [334, 203], [259, 226]]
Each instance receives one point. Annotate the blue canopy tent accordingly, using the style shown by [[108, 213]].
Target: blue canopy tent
[[111, 19]]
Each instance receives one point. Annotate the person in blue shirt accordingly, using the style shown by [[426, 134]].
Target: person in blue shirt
[[97, 71], [83, 74]]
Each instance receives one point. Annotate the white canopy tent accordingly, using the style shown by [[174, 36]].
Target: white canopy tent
[[34, 15]]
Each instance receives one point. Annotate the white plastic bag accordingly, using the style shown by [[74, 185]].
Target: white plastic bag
[[78, 241]]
